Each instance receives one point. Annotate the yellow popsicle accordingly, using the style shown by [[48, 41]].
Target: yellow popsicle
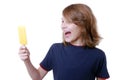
[[22, 35]]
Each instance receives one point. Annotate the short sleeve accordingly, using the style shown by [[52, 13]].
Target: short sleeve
[[47, 62], [102, 71]]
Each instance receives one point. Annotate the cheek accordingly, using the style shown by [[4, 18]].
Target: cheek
[[61, 26], [77, 31], [76, 34]]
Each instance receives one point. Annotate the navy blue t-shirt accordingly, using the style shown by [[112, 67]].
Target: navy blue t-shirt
[[75, 62]]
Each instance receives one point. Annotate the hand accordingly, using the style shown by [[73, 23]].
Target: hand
[[24, 53]]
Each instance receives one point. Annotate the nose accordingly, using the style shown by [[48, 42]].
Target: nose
[[63, 25]]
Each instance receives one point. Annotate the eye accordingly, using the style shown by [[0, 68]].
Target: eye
[[62, 21]]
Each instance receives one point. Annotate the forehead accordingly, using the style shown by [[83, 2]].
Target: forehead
[[67, 19], [63, 18]]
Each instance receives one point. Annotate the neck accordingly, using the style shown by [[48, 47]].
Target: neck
[[77, 44]]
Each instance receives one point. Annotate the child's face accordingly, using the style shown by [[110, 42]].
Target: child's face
[[71, 32]]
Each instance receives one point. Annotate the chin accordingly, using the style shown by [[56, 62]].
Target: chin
[[68, 41]]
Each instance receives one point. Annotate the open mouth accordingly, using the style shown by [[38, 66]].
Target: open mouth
[[67, 33]]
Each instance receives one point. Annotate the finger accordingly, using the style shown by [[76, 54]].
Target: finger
[[21, 56], [22, 47], [24, 57], [25, 52]]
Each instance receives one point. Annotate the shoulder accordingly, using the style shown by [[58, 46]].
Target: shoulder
[[57, 45], [100, 53]]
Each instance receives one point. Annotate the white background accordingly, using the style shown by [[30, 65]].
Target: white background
[[43, 21]]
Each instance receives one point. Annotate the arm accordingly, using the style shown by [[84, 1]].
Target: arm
[[35, 74], [101, 79]]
